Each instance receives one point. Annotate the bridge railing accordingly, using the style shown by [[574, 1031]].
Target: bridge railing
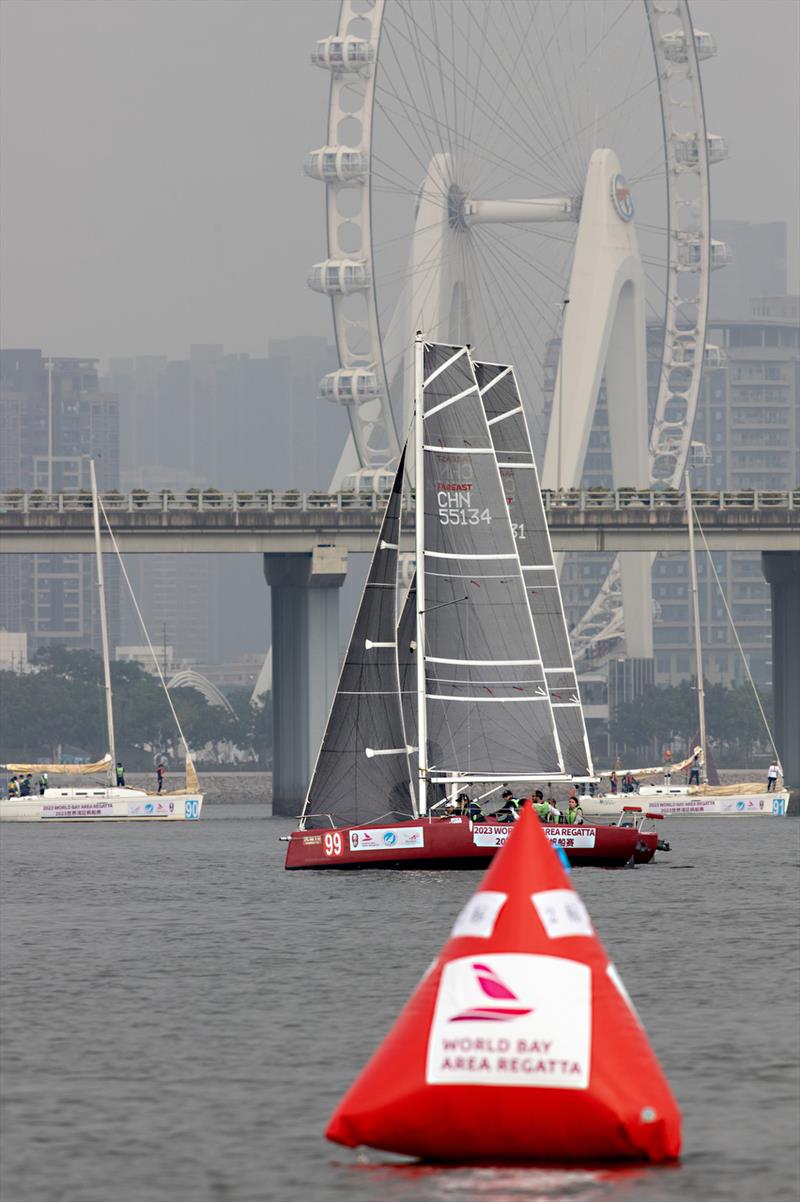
[[267, 500]]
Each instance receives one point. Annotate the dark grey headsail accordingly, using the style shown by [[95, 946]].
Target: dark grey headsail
[[488, 708], [508, 428], [361, 773]]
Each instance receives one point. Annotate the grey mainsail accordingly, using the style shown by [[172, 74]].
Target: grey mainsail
[[510, 436], [361, 773], [488, 708]]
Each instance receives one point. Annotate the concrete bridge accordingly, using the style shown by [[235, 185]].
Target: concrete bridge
[[305, 539], [285, 523]]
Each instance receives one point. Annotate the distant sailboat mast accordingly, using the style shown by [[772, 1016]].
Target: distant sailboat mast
[[103, 623], [698, 645]]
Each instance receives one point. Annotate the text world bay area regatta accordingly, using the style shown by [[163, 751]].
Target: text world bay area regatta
[[517, 1057]]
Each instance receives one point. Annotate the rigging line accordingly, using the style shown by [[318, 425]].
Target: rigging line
[[509, 130], [736, 635], [115, 545]]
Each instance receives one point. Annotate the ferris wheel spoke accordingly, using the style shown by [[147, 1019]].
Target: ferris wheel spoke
[[499, 121], [410, 103], [505, 259]]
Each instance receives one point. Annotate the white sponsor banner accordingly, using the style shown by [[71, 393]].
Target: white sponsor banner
[[571, 836], [493, 834], [148, 809], [479, 914], [512, 1019], [746, 805], [380, 838], [78, 809], [562, 913]]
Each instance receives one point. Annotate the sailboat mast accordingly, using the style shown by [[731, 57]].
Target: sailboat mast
[[419, 548], [698, 646], [103, 620]]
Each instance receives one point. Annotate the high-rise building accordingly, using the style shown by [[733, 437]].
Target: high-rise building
[[228, 421], [757, 267], [748, 421], [53, 419]]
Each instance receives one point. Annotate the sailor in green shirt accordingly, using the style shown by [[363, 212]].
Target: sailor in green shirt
[[574, 811]]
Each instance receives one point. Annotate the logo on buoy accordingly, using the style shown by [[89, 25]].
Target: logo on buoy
[[621, 197], [493, 987]]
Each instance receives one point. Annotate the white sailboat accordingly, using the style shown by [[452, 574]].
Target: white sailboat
[[74, 803], [701, 800]]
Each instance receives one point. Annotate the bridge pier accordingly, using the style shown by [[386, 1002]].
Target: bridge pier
[[782, 572], [305, 663]]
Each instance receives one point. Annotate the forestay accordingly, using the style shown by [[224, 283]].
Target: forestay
[[510, 436], [488, 708], [361, 772]]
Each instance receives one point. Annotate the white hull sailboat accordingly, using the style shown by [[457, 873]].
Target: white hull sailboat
[[98, 803], [745, 800]]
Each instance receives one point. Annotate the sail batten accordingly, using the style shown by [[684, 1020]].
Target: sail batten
[[508, 430]]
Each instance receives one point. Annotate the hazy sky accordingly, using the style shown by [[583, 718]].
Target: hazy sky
[[151, 186]]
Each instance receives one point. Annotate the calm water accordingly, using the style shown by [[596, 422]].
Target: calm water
[[179, 1016]]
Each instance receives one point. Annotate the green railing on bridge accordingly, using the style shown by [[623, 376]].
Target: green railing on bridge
[[272, 501]]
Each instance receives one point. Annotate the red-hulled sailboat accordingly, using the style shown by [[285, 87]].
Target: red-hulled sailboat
[[475, 684], [520, 1042]]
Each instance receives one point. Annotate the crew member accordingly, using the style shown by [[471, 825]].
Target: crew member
[[509, 811], [574, 812], [160, 777], [42, 784], [13, 787], [772, 776], [120, 775], [694, 775], [25, 786]]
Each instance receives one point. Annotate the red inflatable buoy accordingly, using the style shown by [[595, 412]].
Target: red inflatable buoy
[[520, 1042]]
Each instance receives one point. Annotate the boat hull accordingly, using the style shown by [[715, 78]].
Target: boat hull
[[691, 805], [456, 843], [102, 805]]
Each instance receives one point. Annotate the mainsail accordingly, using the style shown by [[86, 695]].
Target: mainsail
[[508, 428], [361, 772], [488, 709]]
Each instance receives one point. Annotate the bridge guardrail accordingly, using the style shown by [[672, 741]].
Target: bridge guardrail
[[272, 501]]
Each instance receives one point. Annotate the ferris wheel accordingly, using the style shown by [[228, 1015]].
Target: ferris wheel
[[531, 178]]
